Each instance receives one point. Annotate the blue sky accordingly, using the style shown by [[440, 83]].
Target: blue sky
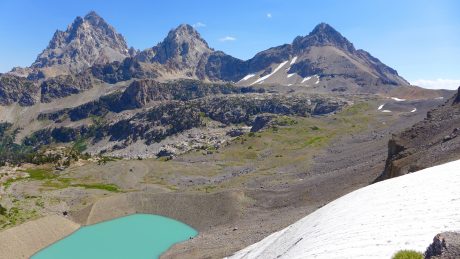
[[419, 38]]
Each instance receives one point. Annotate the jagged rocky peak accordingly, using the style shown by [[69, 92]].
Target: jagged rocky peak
[[182, 48], [87, 41], [323, 35]]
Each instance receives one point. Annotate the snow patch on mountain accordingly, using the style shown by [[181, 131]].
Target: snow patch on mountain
[[247, 77], [306, 79], [397, 99], [272, 73]]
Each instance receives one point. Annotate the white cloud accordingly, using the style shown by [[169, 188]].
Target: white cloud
[[269, 15], [227, 38], [439, 83], [199, 24]]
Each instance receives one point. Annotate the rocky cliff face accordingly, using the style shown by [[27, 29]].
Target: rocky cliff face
[[430, 142], [87, 41], [14, 89]]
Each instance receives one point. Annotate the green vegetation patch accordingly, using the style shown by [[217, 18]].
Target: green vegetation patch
[[408, 254], [99, 186], [40, 174]]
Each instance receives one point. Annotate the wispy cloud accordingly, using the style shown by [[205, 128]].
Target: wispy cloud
[[199, 24], [269, 15], [227, 38], [438, 83]]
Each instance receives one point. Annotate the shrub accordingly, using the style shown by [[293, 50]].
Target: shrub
[[408, 254]]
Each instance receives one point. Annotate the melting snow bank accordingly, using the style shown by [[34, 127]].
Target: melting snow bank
[[373, 222]]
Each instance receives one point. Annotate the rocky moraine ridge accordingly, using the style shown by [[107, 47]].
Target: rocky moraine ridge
[[151, 111], [430, 142]]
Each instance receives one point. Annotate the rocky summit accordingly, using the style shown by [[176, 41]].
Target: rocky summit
[[87, 41]]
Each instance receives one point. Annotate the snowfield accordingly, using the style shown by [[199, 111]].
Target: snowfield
[[373, 222], [397, 99], [272, 73], [247, 77], [306, 79]]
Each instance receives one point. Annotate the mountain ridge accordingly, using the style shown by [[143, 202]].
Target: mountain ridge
[[323, 53]]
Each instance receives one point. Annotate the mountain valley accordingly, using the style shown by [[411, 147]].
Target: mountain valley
[[238, 149]]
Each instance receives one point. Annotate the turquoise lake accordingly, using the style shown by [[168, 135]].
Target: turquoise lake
[[135, 236]]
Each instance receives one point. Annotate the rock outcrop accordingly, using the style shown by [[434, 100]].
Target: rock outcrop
[[430, 142], [445, 245], [15, 89]]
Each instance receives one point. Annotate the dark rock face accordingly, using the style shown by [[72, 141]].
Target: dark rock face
[[430, 142], [457, 97], [445, 246], [64, 85], [140, 93], [14, 89], [87, 41], [118, 71], [261, 122], [220, 66], [323, 35]]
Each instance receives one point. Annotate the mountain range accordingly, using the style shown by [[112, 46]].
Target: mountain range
[[323, 60]]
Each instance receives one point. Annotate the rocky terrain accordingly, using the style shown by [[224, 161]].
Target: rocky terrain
[[429, 142]]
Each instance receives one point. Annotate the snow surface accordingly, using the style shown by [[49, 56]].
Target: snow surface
[[380, 107], [289, 84], [272, 73], [397, 99], [317, 80], [386, 111], [414, 110], [306, 79], [293, 60], [247, 77], [373, 222], [289, 75]]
